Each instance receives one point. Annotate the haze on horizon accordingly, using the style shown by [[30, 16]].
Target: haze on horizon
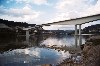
[[47, 11]]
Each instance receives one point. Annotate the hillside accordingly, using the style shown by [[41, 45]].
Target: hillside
[[13, 24], [94, 29]]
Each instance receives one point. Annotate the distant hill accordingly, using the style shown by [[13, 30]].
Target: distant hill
[[94, 29], [13, 24]]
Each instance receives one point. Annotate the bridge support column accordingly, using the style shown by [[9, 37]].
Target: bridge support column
[[80, 36], [27, 35], [76, 36]]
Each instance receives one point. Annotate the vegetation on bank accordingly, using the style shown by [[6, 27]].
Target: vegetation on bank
[[93, 29], [94, 40], [13, 24], [91, 52]]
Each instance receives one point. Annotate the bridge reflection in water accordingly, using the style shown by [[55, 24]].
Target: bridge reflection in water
[[39, 51]]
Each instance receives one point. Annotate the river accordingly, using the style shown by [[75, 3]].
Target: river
[[36, 52]]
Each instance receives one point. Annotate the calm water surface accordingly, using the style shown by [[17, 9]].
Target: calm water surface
[[35, 55]]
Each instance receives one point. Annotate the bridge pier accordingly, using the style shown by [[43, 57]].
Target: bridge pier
[[76, 36], [80, 36], [27, 35]]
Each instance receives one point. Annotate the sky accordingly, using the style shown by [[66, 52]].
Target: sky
[[48, 11]]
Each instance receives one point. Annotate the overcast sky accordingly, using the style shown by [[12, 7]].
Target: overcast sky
[[47, 11]]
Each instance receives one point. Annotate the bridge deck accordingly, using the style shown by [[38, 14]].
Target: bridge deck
[[81, 20]]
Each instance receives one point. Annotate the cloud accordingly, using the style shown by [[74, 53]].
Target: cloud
[[72, 4], [92, 10], [69, 9], [75, 8], [37, 2], [8, 1], [26, 13]]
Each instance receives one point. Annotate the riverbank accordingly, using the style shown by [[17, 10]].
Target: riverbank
[[91, 52], [90, 55]]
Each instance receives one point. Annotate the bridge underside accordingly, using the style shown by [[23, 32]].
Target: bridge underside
[[77, 21]]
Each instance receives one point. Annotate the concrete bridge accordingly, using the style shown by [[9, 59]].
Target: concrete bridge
[[76, 22]]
